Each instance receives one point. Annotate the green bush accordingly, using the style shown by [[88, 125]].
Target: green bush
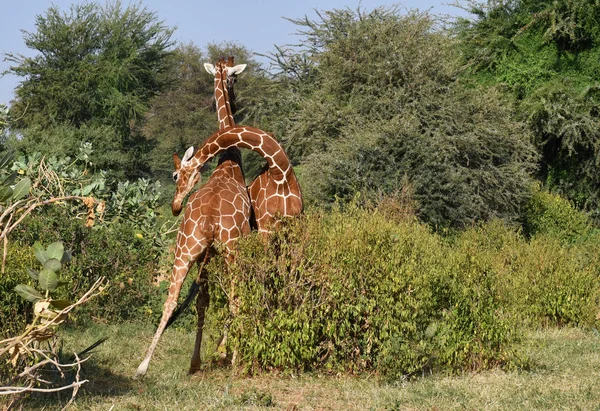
[[353, 290], [119, 251], [551, 214], [543, 280], [13, 312]]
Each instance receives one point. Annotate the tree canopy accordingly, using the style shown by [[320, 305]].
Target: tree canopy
[[373, 101], [95, 68], [546, 54]]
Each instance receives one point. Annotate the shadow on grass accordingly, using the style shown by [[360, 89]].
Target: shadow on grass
[[102, 382]]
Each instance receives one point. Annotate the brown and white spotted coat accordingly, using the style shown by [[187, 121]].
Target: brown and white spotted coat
[[275, 193], [218, 211]]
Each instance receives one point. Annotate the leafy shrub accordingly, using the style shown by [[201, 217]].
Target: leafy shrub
[[371, 100], [353, 290], [550, 214], [555, 285], [543, 280], [123, 245], [13, 312], [119, 252]]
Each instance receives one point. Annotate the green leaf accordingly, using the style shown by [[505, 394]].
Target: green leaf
[[60, 304], [5, 193], [28, 293], [48, 280], [55, 250], [22, 188], [66, 257], [40, 253], [33, 274], [6, 159], [88, 189], [53, 265], [11, 178]]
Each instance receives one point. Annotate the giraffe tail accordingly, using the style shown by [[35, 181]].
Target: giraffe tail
[[186, 303]]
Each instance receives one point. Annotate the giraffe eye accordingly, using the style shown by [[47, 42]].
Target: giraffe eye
[[175, 176]]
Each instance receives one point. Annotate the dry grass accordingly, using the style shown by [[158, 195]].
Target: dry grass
[[566, 375]]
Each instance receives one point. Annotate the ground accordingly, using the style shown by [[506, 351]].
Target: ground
[[565, 375]]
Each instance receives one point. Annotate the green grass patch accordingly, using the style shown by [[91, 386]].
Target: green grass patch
[[565, 373]]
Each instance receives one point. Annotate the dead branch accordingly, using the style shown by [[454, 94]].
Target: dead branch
[[13, 342], [19, 390]]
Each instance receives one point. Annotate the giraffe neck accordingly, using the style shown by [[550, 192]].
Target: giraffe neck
[[250, 138], [224, 111]]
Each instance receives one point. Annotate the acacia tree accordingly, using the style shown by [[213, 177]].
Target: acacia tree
[[546, 54], [373, 101], [95, 70]]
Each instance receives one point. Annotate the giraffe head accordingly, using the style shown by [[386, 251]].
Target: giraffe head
[[226, 71], [186, 175]]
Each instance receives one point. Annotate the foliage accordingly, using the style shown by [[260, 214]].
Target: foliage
[[118, 238], [96, 67], [120, 252], [133, 201], [4, 118], [23, 362], [546, 54], [354, 290], [373, 101], [554, 216]]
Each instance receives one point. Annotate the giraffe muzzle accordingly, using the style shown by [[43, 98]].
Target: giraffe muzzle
[[176, 207]]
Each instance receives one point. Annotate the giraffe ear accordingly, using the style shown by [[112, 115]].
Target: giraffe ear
[[176, 161], [210, 68], [188, 155], [236, 69]]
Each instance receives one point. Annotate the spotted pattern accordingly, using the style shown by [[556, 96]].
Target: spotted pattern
[[275, 192], [224, 112], [218, 211]]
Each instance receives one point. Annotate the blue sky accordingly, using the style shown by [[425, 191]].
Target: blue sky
[[256, 24]]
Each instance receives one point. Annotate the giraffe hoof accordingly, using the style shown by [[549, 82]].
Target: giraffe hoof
[[194, 371], [141, 371]]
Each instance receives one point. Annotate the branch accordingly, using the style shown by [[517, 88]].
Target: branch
[[75, 388], [84, 298], [19, 390]]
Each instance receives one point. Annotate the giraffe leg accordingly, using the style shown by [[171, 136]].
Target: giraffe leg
[[180, 270], [234, 302], [202, 303]]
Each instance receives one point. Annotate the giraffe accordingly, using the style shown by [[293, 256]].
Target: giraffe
[[218, 211], [274, 193], [265, 191], [278, 195], [225, 75]]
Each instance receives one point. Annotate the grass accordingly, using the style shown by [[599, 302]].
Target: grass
[[565, 375]]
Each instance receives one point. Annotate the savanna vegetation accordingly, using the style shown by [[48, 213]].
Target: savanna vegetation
[[451, 176]]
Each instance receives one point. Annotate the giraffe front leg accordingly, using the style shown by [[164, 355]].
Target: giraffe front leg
[[180, 270]]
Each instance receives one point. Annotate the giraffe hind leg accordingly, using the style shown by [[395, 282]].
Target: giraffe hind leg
[[202, 303]]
